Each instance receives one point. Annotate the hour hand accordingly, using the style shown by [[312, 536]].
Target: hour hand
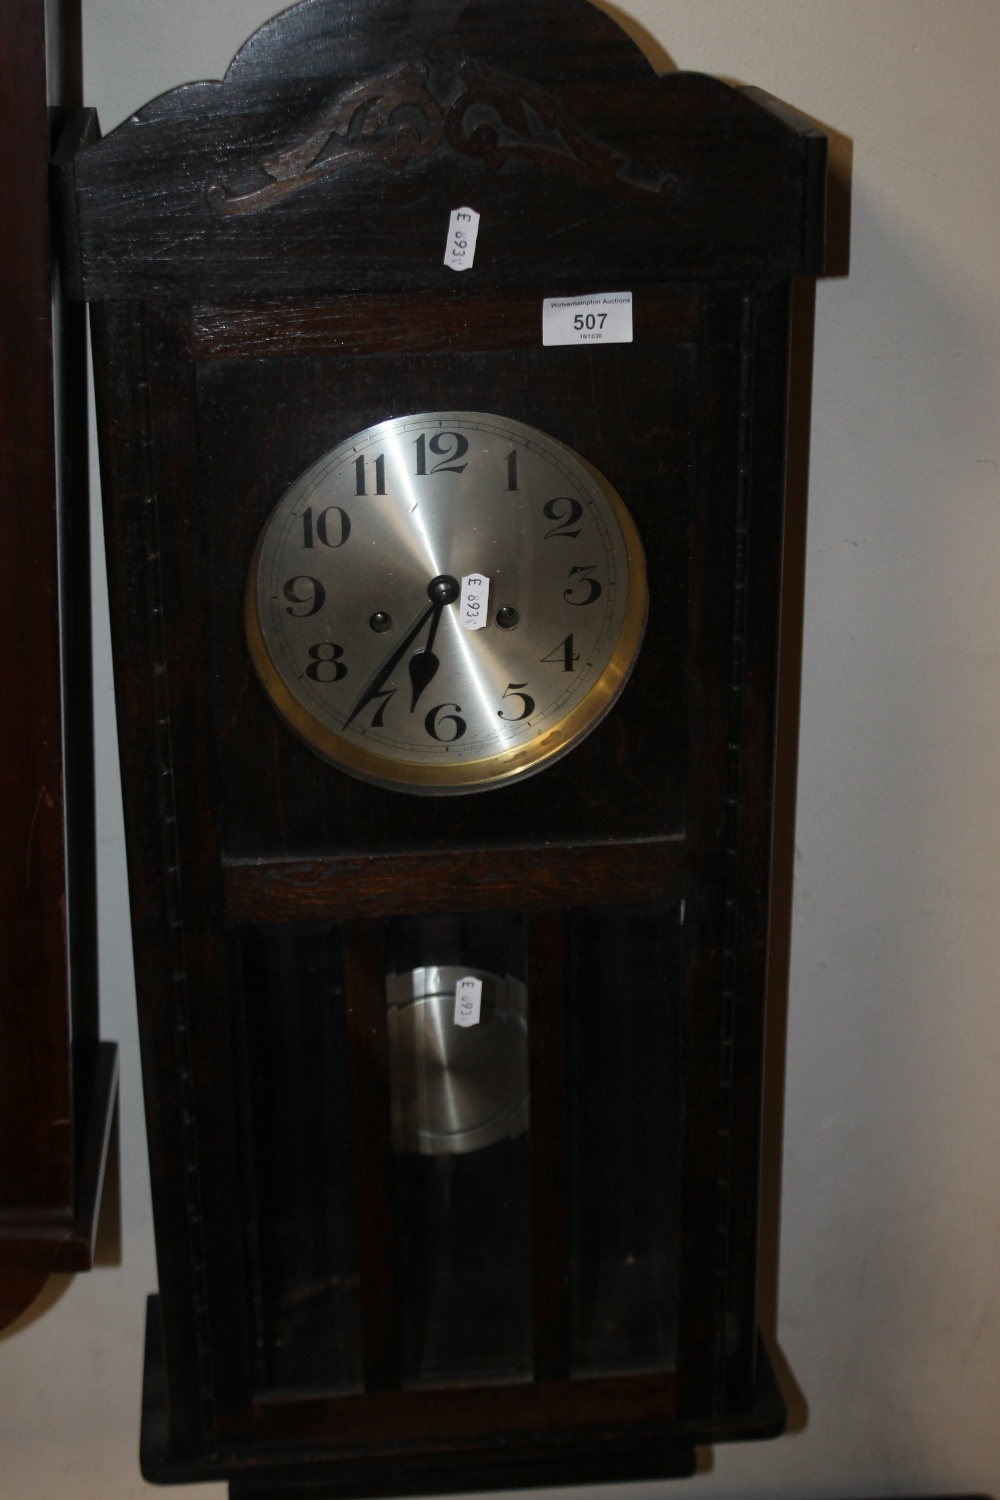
[[423, 662], [441, 591], [423, 666], [373, 688]]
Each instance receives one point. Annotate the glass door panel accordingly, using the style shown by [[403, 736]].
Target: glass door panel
[[458, 1059], [300, 1168], [623, 1004], [456, 1062]]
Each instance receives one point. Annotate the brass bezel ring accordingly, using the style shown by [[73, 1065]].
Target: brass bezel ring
[[488, 772]]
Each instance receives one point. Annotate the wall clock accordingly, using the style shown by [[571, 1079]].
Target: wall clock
[[445, 625]]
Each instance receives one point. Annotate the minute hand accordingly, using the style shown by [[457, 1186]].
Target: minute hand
[[432, 612]]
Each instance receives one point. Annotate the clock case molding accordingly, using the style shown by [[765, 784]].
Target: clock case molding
[[263, 259]]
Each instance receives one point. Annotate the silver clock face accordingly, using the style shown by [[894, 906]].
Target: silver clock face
[[446, 602]]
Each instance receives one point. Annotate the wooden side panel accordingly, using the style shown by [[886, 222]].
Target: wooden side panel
[[145, 414], [721, 356], [744, 369], [120, 378], [36, 1135], [58, 1084], [754, 731]]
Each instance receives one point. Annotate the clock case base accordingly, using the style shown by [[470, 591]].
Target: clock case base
[[582, 1460]]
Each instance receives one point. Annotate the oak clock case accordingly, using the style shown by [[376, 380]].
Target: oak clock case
[[399, 1253]]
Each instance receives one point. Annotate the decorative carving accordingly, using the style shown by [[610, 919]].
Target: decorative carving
[[362, 119], [501, 117], [497, 117]]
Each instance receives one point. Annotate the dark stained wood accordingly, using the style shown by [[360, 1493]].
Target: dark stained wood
[[441, 1466], [465, 1413], [116, 386], [711, 765], [416, 1467], [739, 1161], [813, 243], [378, 885], [68, 1245], [265, 259], [36, 1107], [143, 398], [53, 1075], [166, 573], [368, 1042], [629, 410], [550, 1207], [631, 193], [78, 129], [604, 1460], [413, 324]]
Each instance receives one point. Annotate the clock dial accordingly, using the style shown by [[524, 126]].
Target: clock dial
[[446, 602]]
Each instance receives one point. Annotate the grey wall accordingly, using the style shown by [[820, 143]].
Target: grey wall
[[889, 1288]]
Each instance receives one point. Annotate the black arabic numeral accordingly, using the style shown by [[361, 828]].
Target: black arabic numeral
[[378, 717], [432, 723], [326, 654], [322, 527], [582, 574], [343, 525], [564, 518], [512, 469], [315, 599], [449, 453], [513, 690], [448, 447], [564, 653], [360, 477]]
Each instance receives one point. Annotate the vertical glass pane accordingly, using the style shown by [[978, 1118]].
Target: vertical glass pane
[[623, 1003], [460, 1132], [307, 1288]]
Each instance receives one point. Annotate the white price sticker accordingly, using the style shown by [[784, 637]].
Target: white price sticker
[[604, 318], [474, 607], [468, 1000], [463, 229]]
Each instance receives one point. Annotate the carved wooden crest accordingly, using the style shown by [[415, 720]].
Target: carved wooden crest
[[335, 129], [394, 118]]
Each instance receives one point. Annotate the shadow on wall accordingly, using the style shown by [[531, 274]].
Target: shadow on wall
[[896, 735], [26, 1296], [655, 53]]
